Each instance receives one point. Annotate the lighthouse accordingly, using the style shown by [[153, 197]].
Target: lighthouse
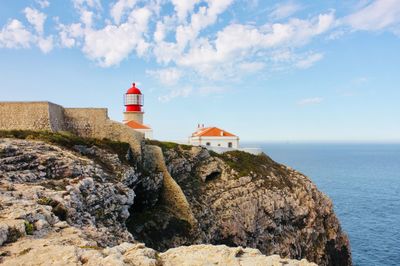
[[133, 101], [133, 115]]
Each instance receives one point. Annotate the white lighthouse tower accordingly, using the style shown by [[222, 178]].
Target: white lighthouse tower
[[133, 115]]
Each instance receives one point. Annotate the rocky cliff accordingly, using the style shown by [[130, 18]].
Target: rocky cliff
[[87, 201]]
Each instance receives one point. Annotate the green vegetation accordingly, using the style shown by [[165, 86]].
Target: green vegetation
[[45, 201], [245, 163], [261, 165], [90, 247], [28, 228], [165, 145], [69, 140]]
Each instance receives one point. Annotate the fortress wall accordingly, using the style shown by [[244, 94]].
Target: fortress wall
[[94, 122], [84, 122], [25, 116], [56, 117]]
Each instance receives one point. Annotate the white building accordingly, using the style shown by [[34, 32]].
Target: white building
[[214, 137]]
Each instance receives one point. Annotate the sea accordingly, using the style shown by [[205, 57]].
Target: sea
[[363, 181]]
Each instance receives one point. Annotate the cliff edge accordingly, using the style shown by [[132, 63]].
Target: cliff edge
[[241, 199], [89, 201]]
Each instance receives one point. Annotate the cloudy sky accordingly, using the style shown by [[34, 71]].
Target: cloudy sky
[[265, 70]]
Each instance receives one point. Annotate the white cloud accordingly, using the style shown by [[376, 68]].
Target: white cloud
[[69, 34], [112, 43], [183, 7], [310, 101], [45, 44], [206, 16], [183, 92], [15, 35], [87, 18], [309, 61], [167, 76], [284, 10], [87, 3], [43, 3], [35, 18], [378, 15], [180, 40], [238, 43], [159, 34], [120, 8]]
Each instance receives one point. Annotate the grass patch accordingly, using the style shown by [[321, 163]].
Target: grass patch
[[28, 228], [90, 247], [245, 163], [45, 201], [166, 145], [69, 140]]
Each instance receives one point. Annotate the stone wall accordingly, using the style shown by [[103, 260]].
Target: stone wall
[[84, 122], [56, 117], [25, 116], [94, 122]]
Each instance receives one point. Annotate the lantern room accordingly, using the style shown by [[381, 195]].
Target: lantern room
[[133, 99]]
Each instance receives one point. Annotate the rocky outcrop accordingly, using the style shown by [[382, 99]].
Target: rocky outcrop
[[245, 200], [92, 201], [223, 255], [44, 185]]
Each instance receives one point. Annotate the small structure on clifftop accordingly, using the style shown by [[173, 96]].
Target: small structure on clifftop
[[133, 115], [213, 137]]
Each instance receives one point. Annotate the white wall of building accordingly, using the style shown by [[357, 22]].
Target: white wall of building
[[148, 133], [215, 141]]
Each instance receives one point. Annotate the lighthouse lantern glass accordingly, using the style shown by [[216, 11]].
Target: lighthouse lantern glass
[[133, 99]]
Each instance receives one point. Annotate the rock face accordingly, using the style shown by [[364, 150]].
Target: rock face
[[89, 202], [243, 200], [44, 185]]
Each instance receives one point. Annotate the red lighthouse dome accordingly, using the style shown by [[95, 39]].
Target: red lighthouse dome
[[133, 99]]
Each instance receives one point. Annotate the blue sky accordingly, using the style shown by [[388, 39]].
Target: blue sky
[[265, 70]]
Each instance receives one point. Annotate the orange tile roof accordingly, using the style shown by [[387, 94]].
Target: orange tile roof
[[136, 125], [212, 132]]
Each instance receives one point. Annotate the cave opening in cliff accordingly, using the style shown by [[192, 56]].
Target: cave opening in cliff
[[213, 176]]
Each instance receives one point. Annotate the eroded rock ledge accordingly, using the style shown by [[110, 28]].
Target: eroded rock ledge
[[91, 202]]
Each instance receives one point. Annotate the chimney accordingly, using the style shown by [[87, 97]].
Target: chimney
[[222, 133]]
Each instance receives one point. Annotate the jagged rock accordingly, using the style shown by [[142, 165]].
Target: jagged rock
[[149, 187], [68, 248], [246, 200], [89, 188], [71, 204]]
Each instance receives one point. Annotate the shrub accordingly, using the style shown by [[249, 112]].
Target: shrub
[[29, 228]]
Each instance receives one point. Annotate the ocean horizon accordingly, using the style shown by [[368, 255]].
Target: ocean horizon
[[363, 181]]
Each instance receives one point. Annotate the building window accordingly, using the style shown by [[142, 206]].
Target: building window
[[208, 144], [230, 144]]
